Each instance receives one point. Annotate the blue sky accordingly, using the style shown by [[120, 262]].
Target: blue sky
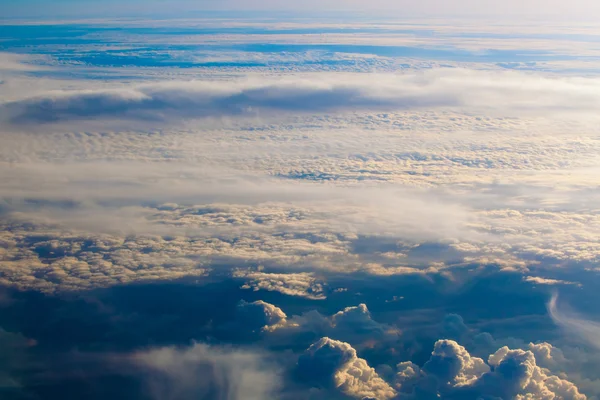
[[557, 9]]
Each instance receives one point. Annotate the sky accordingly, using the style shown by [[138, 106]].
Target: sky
[[266, 202], [588, 10]]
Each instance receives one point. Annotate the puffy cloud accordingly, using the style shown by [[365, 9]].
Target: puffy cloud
[[546, 354], [334, 364], [407, 376], [291, 284], [452, 371], [357, 321], [202, 371], [453, 365], [516, 374], [55, 259], [354, 325], [454, 327], [564, 361], [268, 316]]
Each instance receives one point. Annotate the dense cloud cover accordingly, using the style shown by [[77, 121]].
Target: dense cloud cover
[[216, 209]]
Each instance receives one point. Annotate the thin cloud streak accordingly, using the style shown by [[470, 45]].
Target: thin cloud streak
[[585, 329]]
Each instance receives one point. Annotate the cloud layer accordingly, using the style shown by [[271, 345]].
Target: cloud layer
[[509, 92], [312, 234]]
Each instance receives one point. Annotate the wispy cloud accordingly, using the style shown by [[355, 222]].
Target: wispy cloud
[[586, 329]]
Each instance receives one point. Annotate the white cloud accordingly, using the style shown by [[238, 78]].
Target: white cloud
[[267, 315], [454, 365], [349, 173], [291, 284], [451, 371], [354, 325], [517, 375], [334, 364], [200, 371], [508, 92], [358, 320], [587, 330], [509, 373], [546, 281], [311, 175]]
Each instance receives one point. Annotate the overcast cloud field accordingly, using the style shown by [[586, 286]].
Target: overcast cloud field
[[255, 200]]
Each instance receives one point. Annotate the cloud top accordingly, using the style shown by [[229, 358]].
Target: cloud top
[[510, 92]]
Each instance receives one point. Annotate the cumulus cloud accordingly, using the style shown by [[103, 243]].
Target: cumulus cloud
[[516, 375], [335, 365], [354, 325], [453, 372], [440, 88], [357, 321], [202, 371], [453, 365], [267, 316]]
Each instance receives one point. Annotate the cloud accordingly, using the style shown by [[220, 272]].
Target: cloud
[[516, 373], [453, 365], [276, 329], [356, 324], [293, 243], [453, 373], [291, 284], [509, 92], [207, 195], [267, 316], [294, 185], [17, 63], [585, 329], [202, 371], [310, 191], [333, 364], [546, 281], [564, 361]]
